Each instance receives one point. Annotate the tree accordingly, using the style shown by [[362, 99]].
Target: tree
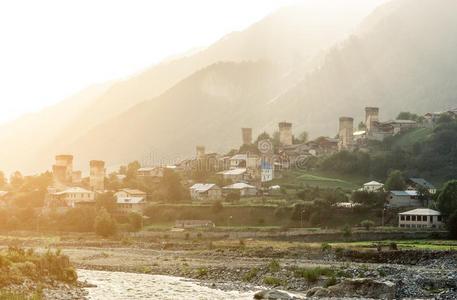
[[79, 219], [407, 116], [173, 189], [132, 169], [16, 180], [105, 225], [233, 197], [217, 207], [263, 136], [362, 126], [136, 221], [106, 201], [447, 199], [452, 225], [395, 181], [302, 138], [2, 179], [367, 224]]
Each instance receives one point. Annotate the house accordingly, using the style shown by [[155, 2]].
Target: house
[[125, 193], [323, 145], [153, 172], [194, 224], [416, 183], [244, 189], [382, 130], [403, 198], [126, 205], [238, 174], [70, 197], [205, 191], [373, 186], [238, 161], [421, 218], [432, 118], [294, 156]]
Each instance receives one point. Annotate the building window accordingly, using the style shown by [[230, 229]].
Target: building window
[[413, 218], [407, 218], [402, 217]]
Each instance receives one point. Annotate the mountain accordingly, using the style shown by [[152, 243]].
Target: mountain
[[21, 139], [400, 59], [206, 108], [290, 39]]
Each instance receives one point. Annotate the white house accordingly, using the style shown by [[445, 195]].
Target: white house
[[205, 191], [244, 189], [420, 218], [126, 205], [234, 175], [125, 193], [373, 186], [71, 196], [403, 198]]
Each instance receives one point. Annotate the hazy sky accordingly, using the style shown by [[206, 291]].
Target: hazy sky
[[50, 49]]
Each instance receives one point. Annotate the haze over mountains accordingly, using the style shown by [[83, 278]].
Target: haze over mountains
[[400, 58]]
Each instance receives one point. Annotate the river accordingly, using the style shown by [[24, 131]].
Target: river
[[120, 285]]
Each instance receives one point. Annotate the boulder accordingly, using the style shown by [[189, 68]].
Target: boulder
[[364, 287], [272, 295], [318, 292]]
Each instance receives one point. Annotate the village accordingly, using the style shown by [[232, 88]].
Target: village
[[252, 172], [266, 201]]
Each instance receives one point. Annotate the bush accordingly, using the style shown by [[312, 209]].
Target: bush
[[452, 225], [202, 272], [347, 231], [105, 225], [326, 247], [367, 224], [135, 221], [274, 266], [217, 207], [273, 281], [250, 275], [312, 274]]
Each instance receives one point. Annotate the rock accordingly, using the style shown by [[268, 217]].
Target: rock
[[364, 287], [272, 295], [318, 292]]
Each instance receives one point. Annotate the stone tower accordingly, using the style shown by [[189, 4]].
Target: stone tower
[[63, 170], [346, 133], [371, 115], [200, 152], [285, 133], [97, 175], [246, 134]]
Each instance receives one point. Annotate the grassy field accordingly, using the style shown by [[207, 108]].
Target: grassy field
[[442, 245], [402, 244], [414, 136], [296, 179]]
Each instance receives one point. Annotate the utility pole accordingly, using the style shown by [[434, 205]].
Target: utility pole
[[301, 217]]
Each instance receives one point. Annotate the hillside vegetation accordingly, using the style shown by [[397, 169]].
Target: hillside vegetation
[[422, 152]]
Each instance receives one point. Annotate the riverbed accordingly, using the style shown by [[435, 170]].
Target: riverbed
[[121, 285]]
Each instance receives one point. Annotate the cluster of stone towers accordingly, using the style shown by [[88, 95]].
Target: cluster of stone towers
[[64, 176], [346, 127]]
